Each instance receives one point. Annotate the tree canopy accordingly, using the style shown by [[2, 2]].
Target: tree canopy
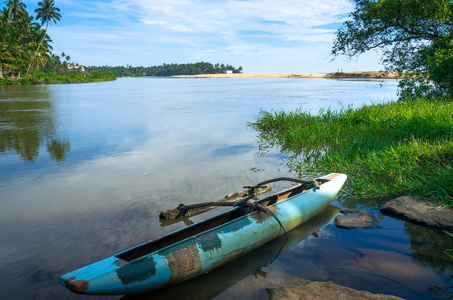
[[168, 69], [23, 43], [46, 13], [415, 37]]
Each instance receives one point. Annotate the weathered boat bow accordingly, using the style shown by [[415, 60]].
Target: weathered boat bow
[[206, 245]]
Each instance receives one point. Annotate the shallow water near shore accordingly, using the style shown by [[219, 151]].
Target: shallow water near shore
[[85, 170]]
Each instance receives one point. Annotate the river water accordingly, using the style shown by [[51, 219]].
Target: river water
[[85, 170]]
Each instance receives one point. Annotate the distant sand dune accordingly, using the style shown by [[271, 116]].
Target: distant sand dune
[[296, 75]]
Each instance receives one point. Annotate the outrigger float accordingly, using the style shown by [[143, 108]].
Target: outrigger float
[[208, 244]]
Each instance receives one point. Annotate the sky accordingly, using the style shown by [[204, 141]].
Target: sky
[[262, 36]]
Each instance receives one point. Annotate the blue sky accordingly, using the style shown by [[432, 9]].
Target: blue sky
[[275, 36]]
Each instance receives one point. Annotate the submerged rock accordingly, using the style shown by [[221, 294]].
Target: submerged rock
[[356, 219], [439, 290], [418, 211], [323, 290], [377, 271]]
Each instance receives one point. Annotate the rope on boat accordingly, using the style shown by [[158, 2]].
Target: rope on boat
[[240, 203], [283, 245], [281, 225], [302, 181], [312, 182], [252, 193], [244, 202]]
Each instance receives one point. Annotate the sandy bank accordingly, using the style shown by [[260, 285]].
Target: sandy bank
[[381, 75]]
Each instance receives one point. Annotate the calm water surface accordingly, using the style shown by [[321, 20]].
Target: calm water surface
[[86, 169]]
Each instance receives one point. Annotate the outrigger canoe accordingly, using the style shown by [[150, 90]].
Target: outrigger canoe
[[205, 245]]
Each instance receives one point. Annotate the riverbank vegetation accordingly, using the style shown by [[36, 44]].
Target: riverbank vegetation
[[40, 77], [168, 69], [25, 48], [387, 150], [392, 149]]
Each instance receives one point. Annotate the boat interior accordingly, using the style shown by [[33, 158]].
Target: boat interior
[[202, 226]]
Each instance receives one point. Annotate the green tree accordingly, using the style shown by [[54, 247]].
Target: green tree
[[415, 37], [16, 9], [46, 13], [45, 49], [166, 69], [13, 36]]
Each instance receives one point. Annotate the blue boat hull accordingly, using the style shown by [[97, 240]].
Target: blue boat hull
[[161, 262]]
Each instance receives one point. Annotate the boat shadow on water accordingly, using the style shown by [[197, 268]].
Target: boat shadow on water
[[215, 282]]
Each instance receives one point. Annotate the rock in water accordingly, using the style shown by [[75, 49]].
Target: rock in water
[[356, 219], [322, 291], [418, 211]]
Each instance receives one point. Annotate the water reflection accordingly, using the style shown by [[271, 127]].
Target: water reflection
[[213, 283], [428, 246], [27, 123], [185, 220], [58, 148]]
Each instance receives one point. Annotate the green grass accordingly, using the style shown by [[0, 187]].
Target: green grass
[[387, 150]]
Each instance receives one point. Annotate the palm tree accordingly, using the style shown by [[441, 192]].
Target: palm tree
[[43, 53], [46, 13], [10, 50], [16, 9]]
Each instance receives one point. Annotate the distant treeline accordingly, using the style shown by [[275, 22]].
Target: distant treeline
[[167, 69], [40, 77]]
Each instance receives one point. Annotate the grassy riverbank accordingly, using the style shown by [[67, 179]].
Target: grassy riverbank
[[52, 78], [388, 150]]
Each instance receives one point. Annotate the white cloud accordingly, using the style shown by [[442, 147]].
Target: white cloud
[[296, 15], [153, 22], [179, 28], [149, 32]]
